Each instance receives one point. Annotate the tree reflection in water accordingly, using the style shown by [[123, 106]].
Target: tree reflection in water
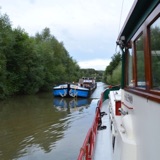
[[33, 127]]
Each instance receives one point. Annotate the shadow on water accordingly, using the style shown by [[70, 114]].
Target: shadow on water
[[43, 127]]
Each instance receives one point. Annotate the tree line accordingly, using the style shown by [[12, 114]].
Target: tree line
[[112, 73], [30, 64]]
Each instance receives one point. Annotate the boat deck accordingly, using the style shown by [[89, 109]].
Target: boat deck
[[103, 147]]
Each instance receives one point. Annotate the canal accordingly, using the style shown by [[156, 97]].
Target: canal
[[42, 127]]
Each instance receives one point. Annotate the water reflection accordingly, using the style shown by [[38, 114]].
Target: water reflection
[[29, 123], [40, 127], [71, 104]]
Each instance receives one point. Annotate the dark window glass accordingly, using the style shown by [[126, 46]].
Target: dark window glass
[[155, 53], [130, 69], [141, 82]]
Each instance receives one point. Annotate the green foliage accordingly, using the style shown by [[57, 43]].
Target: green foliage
[[115, 78], [32, 64], [5, 47], [155, 32], [112, 73], [92, 73]]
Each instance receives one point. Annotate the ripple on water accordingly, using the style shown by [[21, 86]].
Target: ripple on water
[[32, 128]]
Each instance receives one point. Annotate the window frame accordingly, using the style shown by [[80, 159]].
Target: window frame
[[127, 68], [150, 50], [144, 29], [141, 33]]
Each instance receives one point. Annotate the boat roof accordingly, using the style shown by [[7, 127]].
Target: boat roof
[[134, 20]]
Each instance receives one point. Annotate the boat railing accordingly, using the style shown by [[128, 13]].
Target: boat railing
[[86, 151]]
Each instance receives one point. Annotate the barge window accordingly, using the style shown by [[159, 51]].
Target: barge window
[[130, 68], [155, 53], [141, 82]]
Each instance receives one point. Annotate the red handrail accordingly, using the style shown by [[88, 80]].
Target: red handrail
[[86, 151]]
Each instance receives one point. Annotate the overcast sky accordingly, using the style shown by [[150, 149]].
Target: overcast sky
[[88, 28]]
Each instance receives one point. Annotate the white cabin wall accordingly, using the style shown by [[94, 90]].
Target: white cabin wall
[[145, 118], [125, 146]]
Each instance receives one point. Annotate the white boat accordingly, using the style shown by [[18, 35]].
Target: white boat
[[88, 82], [131, 130]]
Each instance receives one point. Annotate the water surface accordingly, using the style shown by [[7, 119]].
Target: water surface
[[40, 127]]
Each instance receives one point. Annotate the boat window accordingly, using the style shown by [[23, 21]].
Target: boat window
[[130, 69], [141, 82], [155, 53]]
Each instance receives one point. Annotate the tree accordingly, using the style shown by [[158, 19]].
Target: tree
[[6, 41], [116, 58], [32, 64]]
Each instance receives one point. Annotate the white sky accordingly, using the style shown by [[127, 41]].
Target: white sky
[[88, 28]]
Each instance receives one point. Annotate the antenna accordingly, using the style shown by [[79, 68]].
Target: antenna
[[120, 22]]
